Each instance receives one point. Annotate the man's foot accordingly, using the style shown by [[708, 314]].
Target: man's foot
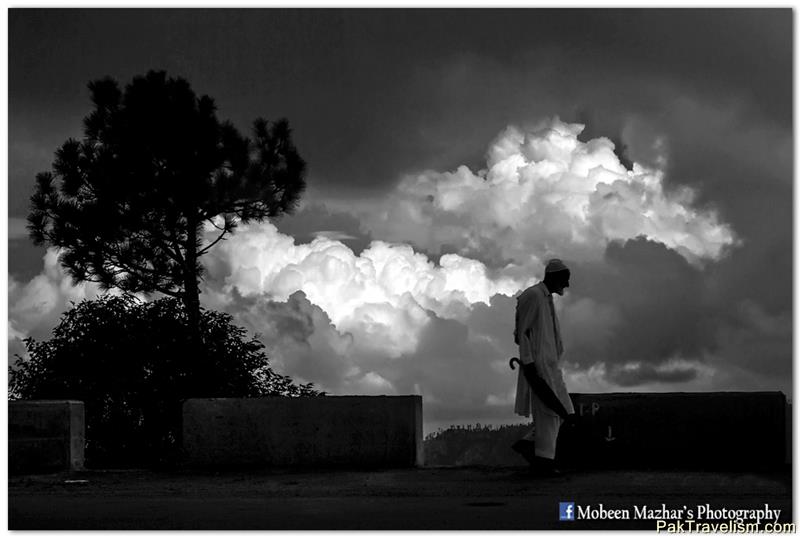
[[538, 466], [525, 449], [544, 467]]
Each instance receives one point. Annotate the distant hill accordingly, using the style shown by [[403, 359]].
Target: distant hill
[[474, 445]]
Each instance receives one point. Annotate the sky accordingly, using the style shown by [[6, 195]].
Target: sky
[[450, 153]]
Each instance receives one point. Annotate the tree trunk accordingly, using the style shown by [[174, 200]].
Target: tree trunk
[[191, 302], [191, 293]]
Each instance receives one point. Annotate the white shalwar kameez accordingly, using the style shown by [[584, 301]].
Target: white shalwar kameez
[[539, 337]]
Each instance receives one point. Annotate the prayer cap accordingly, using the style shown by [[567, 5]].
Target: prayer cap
[[555, 265]]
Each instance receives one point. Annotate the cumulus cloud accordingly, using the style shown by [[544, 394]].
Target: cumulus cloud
[[545, 192], [384, 296], [387, 321], [34, 307], [393, 318], [455, 353]]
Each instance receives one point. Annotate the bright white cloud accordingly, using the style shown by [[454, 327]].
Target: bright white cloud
[[384, 296], [392, 321], [544, 193], [34, 307]]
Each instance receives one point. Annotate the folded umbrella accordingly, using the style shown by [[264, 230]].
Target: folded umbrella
[[540, 387]]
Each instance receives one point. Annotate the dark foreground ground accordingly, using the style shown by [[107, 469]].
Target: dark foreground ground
[[463, 498]]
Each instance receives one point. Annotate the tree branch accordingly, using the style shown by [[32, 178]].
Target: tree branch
[[211, 220], [217, 240], [116, 261], [175, 255]]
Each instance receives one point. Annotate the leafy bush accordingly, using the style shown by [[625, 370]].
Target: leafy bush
[[133, 363]]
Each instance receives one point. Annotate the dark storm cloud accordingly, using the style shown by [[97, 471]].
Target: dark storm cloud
[[665, 309], [359, 83], [658, 297], [746, 171]]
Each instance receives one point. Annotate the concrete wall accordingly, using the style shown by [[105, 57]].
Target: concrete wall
[[383, 431], [45, 435], [704, 430]]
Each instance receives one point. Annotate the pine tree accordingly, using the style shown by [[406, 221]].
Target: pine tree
[[127, 204]]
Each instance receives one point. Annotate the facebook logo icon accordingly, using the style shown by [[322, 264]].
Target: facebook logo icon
[[566, 511]]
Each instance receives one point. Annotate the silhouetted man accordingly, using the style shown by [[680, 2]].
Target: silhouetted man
[[541, 392]]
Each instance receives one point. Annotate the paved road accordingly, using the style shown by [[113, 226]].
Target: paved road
[[417, 499]]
